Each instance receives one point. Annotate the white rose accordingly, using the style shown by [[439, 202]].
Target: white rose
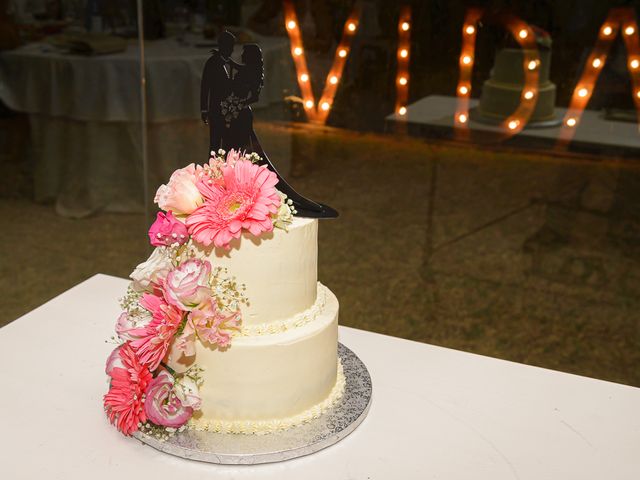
[[153, 270], [186, 389], [186, 287]]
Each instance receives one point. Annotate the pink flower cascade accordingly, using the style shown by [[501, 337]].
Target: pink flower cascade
[[167, 230], [243, 198], [211, 204], [182, 302]]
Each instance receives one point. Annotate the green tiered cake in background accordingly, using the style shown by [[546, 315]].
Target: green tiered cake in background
[[502, 93]]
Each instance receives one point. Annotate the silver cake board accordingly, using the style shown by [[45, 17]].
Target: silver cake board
[[322, 432]]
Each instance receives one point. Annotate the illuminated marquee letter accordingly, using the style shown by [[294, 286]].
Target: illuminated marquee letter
[[318, 112], [618, 20], [403, 55], [525, 37]]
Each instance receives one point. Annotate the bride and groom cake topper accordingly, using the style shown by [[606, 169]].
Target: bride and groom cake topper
[[227, 92]]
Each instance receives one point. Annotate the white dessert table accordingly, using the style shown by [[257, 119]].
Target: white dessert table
[[436, 412]]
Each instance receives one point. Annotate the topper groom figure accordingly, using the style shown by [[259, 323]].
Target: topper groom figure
[[216, 86], [239, 85]]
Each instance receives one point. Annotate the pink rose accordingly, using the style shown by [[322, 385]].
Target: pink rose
[[126, 326], [188, 285], [123, 326], [114, 360], [167, 230], [181, 194], [162, 406]]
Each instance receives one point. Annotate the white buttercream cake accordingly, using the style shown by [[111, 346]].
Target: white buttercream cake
[[281, 368], [225, 326]]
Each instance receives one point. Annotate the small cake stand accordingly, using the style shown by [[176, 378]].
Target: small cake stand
[[322, 432]]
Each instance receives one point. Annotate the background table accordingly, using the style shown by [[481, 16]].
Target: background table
[[436, 413], [84, 115], [434, 115]]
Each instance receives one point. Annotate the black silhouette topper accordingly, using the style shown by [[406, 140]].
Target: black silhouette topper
[[227, 92]]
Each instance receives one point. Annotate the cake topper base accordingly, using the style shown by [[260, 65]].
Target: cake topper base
[[237, 449]]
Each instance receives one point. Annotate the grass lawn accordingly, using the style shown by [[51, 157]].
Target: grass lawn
[[518, 256]]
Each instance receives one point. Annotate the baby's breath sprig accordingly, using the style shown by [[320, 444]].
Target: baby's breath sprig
[[194, 372], [130, 302], [158, 432], [284, 216], [186, 252], [114, 340], [226, 290], [291, 206]]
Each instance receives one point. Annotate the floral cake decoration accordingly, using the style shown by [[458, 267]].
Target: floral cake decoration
[[177, 296]]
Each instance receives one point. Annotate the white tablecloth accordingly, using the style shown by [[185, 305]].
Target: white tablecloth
[[436, 413], [42, 80], [92, 166], [85, 113]]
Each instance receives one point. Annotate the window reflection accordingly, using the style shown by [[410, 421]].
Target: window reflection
[[482, 154]]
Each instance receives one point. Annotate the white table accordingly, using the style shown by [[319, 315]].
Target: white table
[[84, 113], [438, 111], [436, 413]]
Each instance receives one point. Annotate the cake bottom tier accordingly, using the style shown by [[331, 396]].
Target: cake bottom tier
[[501, 100], [268, 382]]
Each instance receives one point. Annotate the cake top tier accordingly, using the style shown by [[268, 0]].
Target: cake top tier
[[278, 269], [509, 67], [229, 214]]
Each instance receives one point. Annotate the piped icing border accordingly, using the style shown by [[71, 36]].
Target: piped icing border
[[263, 427], [297, 320]]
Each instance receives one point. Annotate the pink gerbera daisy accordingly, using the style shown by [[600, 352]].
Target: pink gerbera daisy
[[245, 199], [124, 403], [154, 338]]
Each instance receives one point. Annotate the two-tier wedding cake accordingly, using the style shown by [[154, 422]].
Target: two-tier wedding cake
[[503, 92], [225, 327]]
